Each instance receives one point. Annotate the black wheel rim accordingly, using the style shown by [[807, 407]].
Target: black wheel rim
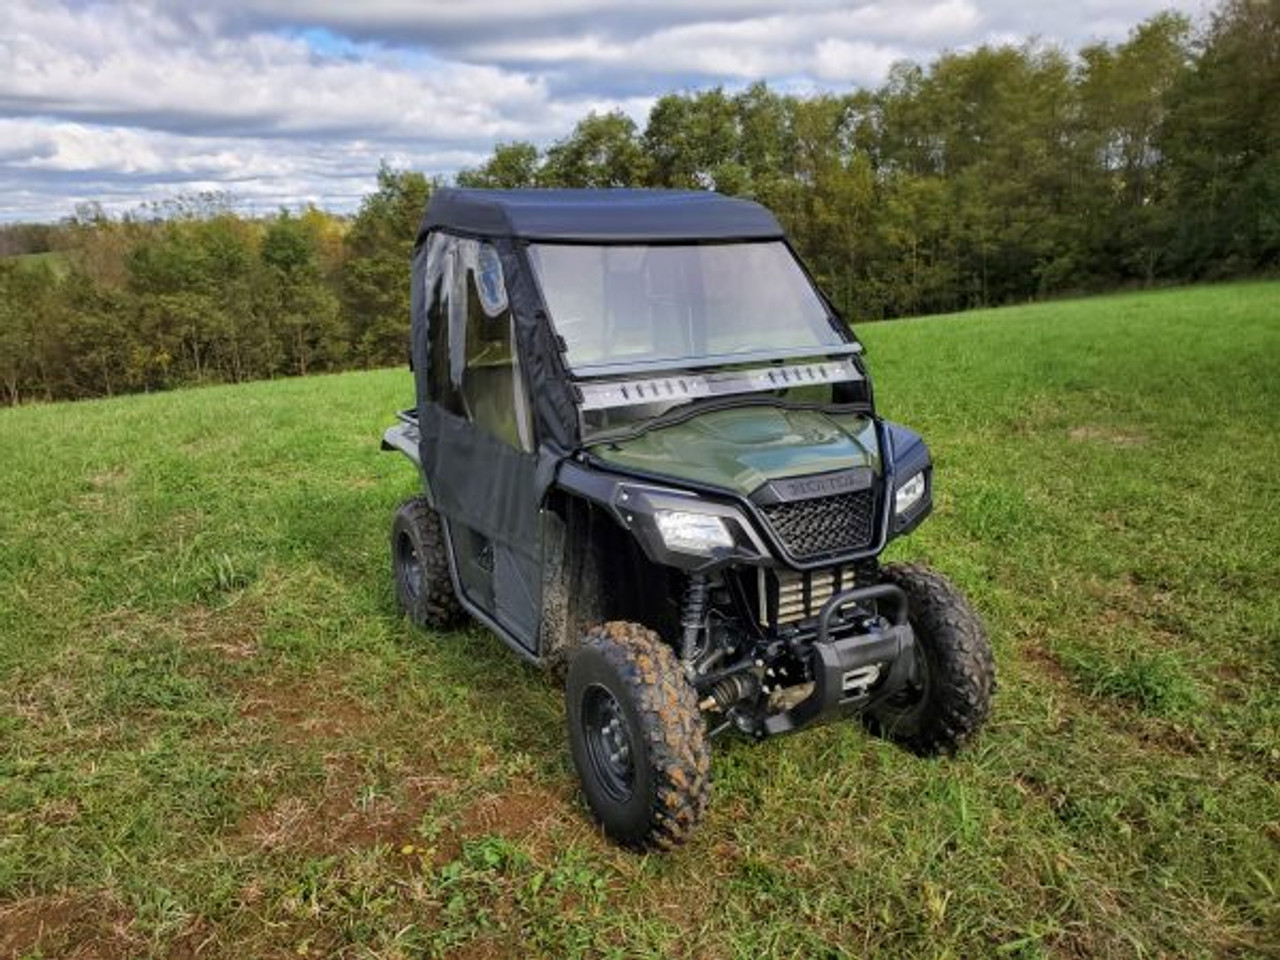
[[408, 566], [609, 742]]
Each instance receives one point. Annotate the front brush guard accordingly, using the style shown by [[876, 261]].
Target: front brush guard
[[831, 661]]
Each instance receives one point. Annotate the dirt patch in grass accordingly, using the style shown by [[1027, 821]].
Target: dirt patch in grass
[[1047, 663], [70, 927], [198, 940], [303, 711], [101, 492], [1151, 732], [1132, 602], [1099, 434], [525, 813], [344, 814], [108, 479], [57, 812], [334, 824], [528, 814], [1235, 683], [347, 810], [484, 948], [1171, 738], [1133, 607], [1028, 782], [231, 632], [512, 814], [257, 937], [347, 819], [414, 803]]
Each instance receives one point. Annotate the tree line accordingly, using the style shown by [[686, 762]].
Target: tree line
[[188, 291], [997, 175]]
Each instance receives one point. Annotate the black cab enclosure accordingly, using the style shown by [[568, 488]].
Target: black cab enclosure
[[651, 460]]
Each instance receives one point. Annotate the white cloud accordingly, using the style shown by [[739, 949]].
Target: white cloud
[[122, 62], [294, 100], [852, 60], [123, 167]]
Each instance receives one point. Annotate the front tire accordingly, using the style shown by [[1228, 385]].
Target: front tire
[[955, 668], [420, 564], [637, 738]]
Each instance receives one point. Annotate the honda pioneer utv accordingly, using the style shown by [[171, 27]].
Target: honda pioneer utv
[[651, 463]]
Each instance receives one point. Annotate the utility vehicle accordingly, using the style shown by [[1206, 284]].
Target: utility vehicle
[[651, 463]]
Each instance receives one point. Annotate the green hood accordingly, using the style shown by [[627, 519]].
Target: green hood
[[741, 449]]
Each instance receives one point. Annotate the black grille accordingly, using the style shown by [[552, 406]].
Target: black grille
[[824, 526]]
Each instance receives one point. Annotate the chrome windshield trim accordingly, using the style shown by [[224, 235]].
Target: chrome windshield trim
[[674, 366], [677, 388]]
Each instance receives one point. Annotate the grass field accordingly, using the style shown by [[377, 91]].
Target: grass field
[[218, 739], [55, 260]]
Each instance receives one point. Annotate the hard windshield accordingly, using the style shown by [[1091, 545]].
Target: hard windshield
[[619, 304]]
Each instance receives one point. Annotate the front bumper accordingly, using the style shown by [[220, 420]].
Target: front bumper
[[853, 673]]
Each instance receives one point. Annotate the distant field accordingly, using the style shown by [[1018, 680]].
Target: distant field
[[54, 260], [217, 738]]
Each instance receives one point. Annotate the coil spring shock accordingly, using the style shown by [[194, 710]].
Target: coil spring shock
[[693, 613], [733, 689]]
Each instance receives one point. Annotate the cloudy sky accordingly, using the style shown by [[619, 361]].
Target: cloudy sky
[[290, 101]]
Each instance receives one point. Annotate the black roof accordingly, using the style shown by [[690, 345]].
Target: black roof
[[599, 215]]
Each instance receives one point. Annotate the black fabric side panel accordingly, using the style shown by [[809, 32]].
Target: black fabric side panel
[[481, 482], [551, 393], [476, 479], [419, 335], [517, 592]]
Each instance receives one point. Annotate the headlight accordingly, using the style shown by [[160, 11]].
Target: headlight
[[692, 532], [909, 494]]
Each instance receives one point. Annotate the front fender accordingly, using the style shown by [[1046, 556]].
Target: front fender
[[906, 455], [632, 504]]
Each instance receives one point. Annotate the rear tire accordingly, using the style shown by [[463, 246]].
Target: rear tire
[[420, 564], [956, 668], [637, 738]]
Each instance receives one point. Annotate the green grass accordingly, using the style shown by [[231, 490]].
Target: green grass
[[54, 259], [217, 738]]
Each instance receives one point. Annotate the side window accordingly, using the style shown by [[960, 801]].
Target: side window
[[492, 387], [474, 367], [444, 374]]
